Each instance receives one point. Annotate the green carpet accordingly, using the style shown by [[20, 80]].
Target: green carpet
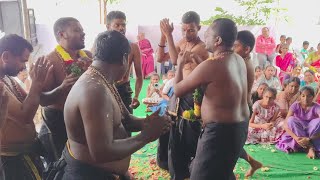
[[281, 166]]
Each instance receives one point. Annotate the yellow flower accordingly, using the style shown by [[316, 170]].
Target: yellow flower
[[264, 169], [186, 115], [197, 107], [315, 168], [197, 113]]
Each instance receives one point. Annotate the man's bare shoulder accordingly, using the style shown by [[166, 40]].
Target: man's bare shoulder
[[181, 43], [201, 50], [91, 85], [133, 46], [53, 57]]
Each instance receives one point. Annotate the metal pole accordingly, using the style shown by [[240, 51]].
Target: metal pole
[[25, 19]]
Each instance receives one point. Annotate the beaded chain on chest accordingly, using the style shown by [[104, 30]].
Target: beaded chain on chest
[[13, 88], [185, 46], [110, 86]]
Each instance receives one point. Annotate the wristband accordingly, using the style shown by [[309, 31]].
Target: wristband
[[161, 46]]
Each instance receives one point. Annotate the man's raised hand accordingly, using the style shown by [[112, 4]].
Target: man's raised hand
[[166, 28]]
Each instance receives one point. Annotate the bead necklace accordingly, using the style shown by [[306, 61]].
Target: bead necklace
[[13, 88], [110, 86], [220, 54]]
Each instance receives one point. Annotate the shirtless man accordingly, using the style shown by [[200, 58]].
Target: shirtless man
[[243, 46], [184, 135], [116, 20], [70, 37], [98, 146], [19, 146], [224, 117]]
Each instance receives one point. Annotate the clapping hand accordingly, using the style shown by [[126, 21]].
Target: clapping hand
[[166, 28], [40, 71]]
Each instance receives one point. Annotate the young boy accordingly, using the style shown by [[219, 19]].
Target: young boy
[[304, 51], [243, 46]]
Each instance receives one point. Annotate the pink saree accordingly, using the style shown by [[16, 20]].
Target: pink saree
[[286, 64], [146, 57]]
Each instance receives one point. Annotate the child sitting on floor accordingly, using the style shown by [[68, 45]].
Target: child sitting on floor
[[264, 127], [153, 92], [258, 94], [258, 71]]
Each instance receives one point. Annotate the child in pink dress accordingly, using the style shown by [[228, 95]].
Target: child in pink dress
[[264, 126]]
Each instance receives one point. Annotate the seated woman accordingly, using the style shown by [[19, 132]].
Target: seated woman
[[287, 97], [313, 60], [264, 126], [269, 78], [309, 80], [257, 95], [258, 71], [285, 61], [302, 126], [153, 92]]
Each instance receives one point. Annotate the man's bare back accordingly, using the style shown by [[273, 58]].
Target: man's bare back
[[226, 89], [87, 84]]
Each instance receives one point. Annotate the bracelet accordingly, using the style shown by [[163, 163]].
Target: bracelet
[[161, 46]]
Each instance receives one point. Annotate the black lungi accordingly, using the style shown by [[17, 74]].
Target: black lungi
[[219, 147], [53, 133], [183, 141]]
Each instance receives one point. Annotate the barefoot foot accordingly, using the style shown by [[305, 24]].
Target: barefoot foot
[[311, 153], [255, 165]]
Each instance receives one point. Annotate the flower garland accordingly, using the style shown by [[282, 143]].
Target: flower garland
[[195, 113], [76, 67]]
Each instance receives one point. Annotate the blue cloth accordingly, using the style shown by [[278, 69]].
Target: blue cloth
[[162, 104]]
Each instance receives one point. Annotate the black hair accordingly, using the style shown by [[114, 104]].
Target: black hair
[[111, 47], [115, 15], [310, 71], [263, 84], [270, 65], [14, 44], [305, 43], [272, 90], [226, 29], [293, 79], [283, 36], [257, 67], [309, 89], [246, 38], [191, 17], [61, 24]]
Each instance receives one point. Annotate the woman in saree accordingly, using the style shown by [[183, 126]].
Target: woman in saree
[[285, 61], [313, 60], [146, 56]]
